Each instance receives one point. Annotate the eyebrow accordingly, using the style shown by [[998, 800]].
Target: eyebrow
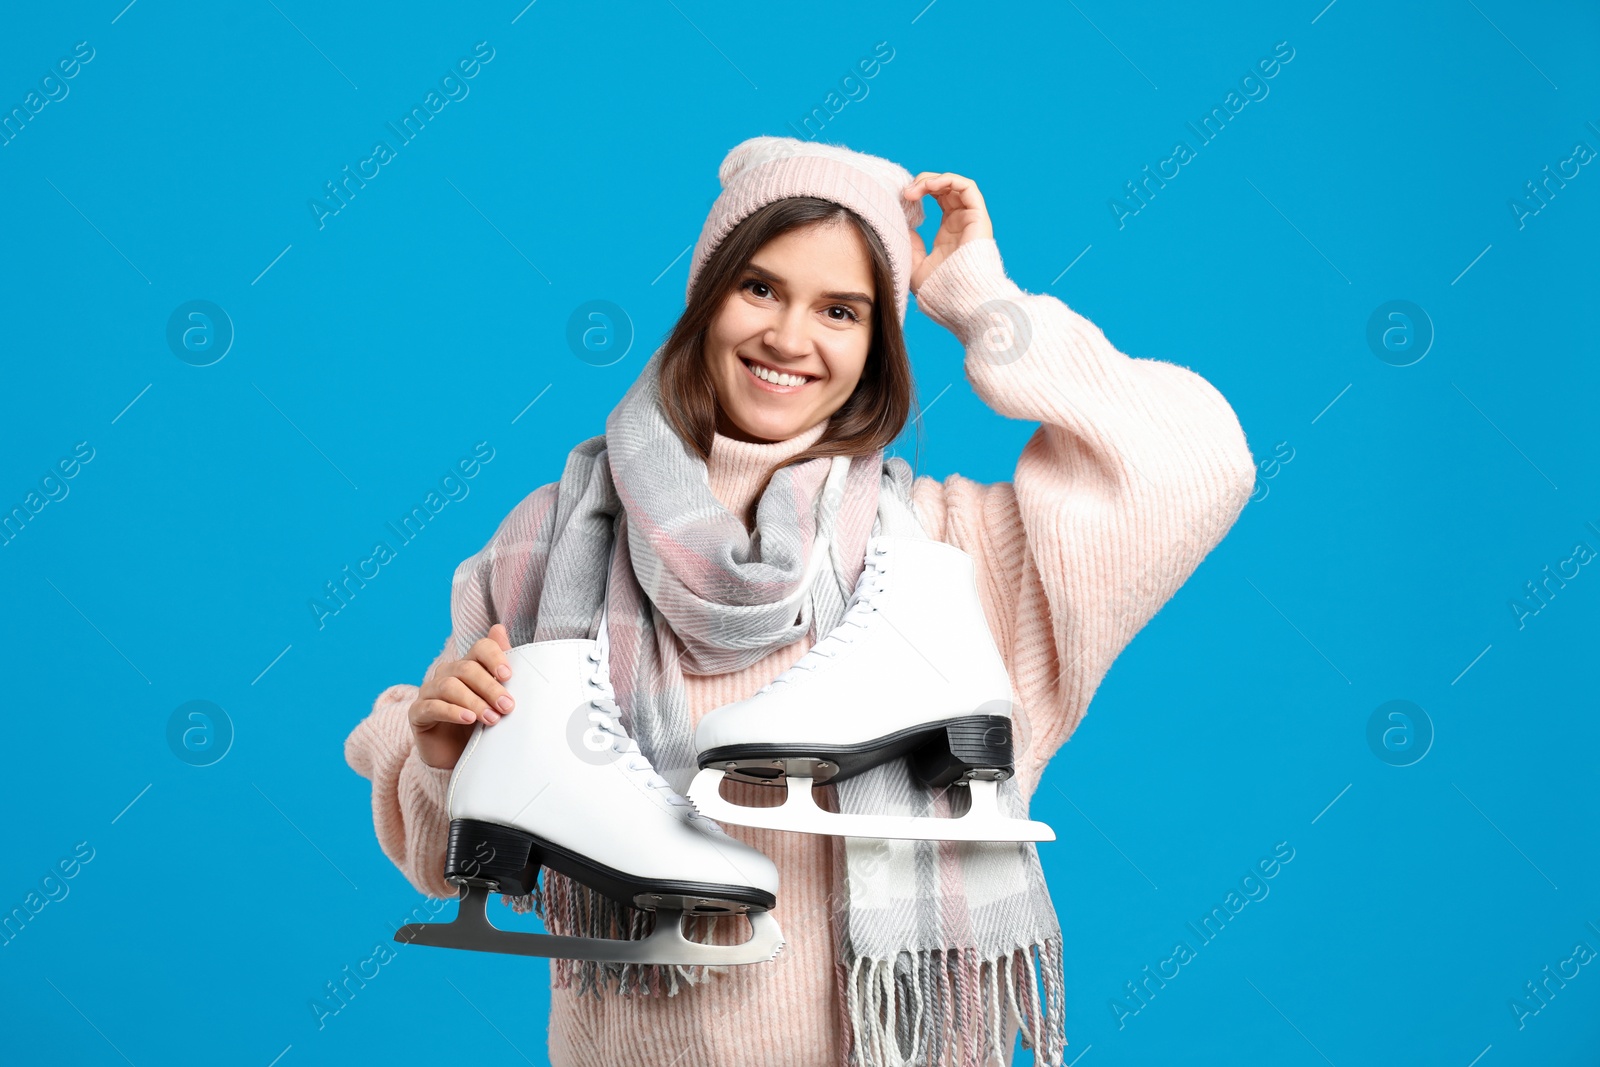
[[767, 275]]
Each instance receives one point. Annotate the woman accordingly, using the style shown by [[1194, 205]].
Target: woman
[[790, 352]]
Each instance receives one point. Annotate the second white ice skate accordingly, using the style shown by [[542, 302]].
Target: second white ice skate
[[910, 671]]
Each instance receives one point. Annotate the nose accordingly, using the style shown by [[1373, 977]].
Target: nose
[[787, 336]]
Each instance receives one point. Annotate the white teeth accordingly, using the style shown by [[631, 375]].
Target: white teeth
[[773, 376]]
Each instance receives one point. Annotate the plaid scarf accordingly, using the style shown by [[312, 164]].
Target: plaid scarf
[[942, 945]]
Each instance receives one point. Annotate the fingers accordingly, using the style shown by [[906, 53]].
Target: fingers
[[452, 700], [955, 194], [486, 696], [491, 652], [463, 692], [932, 174], [434, 712], [942, 185], [477, 676], [966, 216]]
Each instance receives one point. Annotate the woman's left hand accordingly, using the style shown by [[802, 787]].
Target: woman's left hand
[[965, 218]]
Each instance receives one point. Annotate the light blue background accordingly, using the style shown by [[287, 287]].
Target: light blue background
[[1377, 564]]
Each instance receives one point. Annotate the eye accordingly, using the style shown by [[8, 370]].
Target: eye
[[848, 310], [749, 282]]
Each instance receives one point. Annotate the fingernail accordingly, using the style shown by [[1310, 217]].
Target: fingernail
[[502, 672], [490, 717], [466, 716], [504, 703]]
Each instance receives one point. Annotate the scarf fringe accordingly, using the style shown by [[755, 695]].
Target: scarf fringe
[[948, 1007], [936, 1007], [570, 908]]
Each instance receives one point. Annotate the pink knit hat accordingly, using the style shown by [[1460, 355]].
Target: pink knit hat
[[763, 169]]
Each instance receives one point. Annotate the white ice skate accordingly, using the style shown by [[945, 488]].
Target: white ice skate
[[557, 783], [911, 670]]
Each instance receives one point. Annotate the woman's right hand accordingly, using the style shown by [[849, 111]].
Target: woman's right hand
[[459, 693]]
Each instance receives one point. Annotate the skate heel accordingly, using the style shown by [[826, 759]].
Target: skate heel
[[491, 856], [976, 747]]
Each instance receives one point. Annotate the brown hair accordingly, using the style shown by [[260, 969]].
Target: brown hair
[[873, 415]]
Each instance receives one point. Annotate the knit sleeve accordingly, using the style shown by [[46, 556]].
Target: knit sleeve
[[1137, 470], [409, 811], [408, 796]]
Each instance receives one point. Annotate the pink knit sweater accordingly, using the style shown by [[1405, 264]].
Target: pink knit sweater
[[1137, 470]]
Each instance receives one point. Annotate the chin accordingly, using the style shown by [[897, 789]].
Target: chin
[[770, 431]]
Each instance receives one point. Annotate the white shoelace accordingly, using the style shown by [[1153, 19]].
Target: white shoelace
[[863, 602], [607, 717]]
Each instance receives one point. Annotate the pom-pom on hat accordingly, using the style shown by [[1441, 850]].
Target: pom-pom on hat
[[763, 169]]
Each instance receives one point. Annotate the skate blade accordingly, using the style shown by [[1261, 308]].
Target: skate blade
[[799, 812], [472, 930]]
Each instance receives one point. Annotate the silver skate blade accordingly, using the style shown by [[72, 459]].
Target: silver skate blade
[[983, 820], [472, 930]]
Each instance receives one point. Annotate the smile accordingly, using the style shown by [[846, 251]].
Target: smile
[[774, 381]]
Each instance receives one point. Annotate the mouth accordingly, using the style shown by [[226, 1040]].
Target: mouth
[[775, 381]]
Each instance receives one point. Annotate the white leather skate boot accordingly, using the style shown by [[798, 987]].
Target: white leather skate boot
[[911, 670], [558, 783]]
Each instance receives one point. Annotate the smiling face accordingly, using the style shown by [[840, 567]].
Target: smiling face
[[788, 345]]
